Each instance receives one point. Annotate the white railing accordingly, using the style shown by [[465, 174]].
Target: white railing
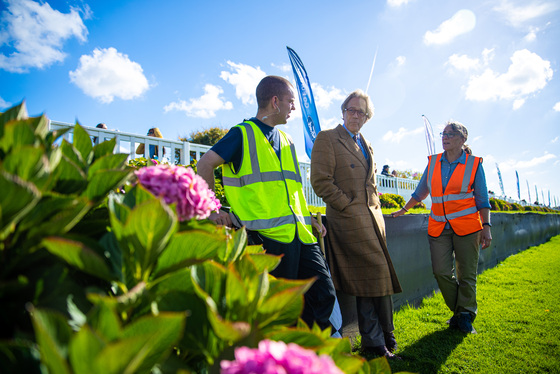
[[399, 186], [127, 143], [176, 151]]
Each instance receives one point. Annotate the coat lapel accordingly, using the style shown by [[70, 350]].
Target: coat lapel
[[350, 144]]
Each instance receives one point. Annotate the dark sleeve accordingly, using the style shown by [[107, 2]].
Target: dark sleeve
[[230, 147]]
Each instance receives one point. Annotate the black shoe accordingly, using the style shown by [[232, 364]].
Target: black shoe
[[390, 341], [465, 323], [453, 322], [380, 351]]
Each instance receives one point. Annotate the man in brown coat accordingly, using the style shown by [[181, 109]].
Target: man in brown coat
[[343, 174]]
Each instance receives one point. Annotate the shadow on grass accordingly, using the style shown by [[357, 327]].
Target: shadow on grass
[[428, 354]]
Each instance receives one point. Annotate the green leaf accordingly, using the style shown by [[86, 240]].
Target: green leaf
[[209, 280], [104, 148], [63, 220], [82, 143], [187, 248], [83, 349], [17, 199], [103, 182], [53, 336], [71, 178], [79, 255], [103, 319], [108, 162], [265, 261], [144, 343], [72, 154], [147, 231], [137, 195], [284, 301], [16, 135], [235, 248], [15, 113], [47, 210]]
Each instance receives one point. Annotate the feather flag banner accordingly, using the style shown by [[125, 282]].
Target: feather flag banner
[[311, 126], [429, 136], [518, 191], [500, 179]]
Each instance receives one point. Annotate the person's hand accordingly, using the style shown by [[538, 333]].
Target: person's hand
[[221, 218], [486, 238], [398, 213], [321, 229]]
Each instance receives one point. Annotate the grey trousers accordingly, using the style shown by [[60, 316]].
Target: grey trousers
[[375, 316], [459, 292]]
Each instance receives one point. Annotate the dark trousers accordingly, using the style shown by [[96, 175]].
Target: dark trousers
[[303, 261], [375, 317]]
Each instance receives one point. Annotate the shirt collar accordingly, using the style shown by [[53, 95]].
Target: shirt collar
[[462, 159], [351, 135]]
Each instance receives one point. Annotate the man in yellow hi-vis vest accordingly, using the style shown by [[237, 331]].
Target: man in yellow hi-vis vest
[[262, 183]]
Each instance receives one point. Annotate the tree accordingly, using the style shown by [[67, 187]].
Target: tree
[[206, 137]]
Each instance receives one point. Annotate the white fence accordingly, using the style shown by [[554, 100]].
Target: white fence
[[178, 150]]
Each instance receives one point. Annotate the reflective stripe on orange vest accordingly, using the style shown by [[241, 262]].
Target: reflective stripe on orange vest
[[456, 204]]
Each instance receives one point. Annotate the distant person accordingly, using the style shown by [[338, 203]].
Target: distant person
[[343, 175], [458, 223], [99, 126], [154, 149], [394, 173], [262, 182], [385, 171]]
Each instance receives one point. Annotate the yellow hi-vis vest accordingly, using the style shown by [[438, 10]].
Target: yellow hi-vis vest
[[456, 205], [266, 193]]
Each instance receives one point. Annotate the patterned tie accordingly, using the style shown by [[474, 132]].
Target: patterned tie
[[355, 138]]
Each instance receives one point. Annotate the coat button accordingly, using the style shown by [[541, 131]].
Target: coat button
[[352, 166]]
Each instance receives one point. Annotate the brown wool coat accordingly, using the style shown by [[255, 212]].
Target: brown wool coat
[[357, 246]]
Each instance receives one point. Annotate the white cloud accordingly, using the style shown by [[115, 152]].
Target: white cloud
[[517, 15], [462, 22], [324, 97], [244, 78], [36, 33], [401, 60], [518, 103], [396, 137], [556, 107], [330, 123], [528, 73], [487, 55], [554, 140], [4, 103], [532, 35], [466, 63], [284, 67], [535, 161], [108, 74], [397, 3], [463, 62], [205, 106]]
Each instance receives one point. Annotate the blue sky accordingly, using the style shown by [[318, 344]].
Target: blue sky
[[186, 65]]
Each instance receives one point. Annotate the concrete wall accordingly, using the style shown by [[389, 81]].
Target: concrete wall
[[408, 245]]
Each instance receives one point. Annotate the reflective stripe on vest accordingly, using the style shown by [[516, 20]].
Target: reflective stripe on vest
[[457, 205], [262, 175]]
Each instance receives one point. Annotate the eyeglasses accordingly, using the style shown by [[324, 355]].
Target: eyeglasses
[[448, 134], [352, 111]]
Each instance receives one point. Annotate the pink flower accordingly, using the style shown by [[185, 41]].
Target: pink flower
[[176, 184], [278, 358]]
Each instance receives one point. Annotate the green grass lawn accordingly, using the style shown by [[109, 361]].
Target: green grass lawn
[[518, 322]]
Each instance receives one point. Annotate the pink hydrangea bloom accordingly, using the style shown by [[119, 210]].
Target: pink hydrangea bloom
[[177, 184], [278, 358]]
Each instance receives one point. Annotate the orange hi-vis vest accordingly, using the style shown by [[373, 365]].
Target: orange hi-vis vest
[[456, 205]]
